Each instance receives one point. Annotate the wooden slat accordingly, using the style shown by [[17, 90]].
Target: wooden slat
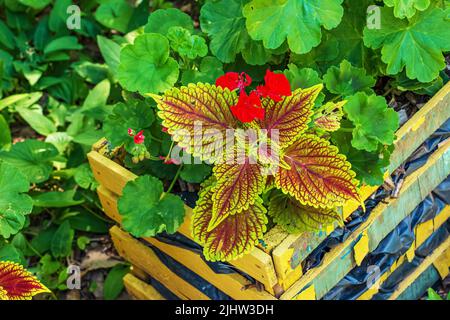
[[139, 289], [289, 254], [408, 282], [437, 222], [112, 178], [383, 218], [144, 258]]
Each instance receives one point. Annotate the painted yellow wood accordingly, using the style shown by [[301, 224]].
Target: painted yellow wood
[[234, 285], [338, 262], [258, 264], [409, 255], [361, 248], [139, 273], [423, 230], [143, 257], [442, 264], [140, 290], [307, 294], [289, 254], [428, 261]]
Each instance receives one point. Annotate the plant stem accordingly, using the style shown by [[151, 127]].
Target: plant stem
[[170, 151], [346, 129], [172, 184]]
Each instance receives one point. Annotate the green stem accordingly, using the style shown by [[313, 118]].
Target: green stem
[[346, 129], [172, 184], [170, 151], [33, 249]]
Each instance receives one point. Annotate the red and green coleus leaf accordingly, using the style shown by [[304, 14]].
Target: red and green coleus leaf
[[329, 116], [289, 117], [197, 117], [16, 283], [233, 237], [318, 176], [294, 217], [237, 187]]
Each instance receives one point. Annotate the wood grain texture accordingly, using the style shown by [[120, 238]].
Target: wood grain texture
[[140, 290]]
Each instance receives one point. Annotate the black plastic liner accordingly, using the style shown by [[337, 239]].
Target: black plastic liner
[[166, 293], [414, 162], [394, 245], [186, 274]]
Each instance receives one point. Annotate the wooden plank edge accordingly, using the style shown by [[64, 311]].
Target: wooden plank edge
[[140, 290], [144, 258]]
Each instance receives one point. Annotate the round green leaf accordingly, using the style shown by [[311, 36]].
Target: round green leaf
[[162, 20], [146, 212], [146, 67], [14, 204], [33, 158], [374, 121]]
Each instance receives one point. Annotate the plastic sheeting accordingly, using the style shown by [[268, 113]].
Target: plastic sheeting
[[414, 162], [394, 245]]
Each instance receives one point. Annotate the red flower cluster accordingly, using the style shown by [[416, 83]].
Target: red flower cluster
[[248, 108], [138, 137]]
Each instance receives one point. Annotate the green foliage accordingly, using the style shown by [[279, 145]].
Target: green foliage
[[146, 211], [298, 22], [14, 204], [145, 66], [407, 44], [114, 282], [367, 113]]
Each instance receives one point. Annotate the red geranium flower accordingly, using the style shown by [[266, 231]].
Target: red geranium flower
[[234, 80], [276, 86], [169, 160], [248, 107], [138, 138]]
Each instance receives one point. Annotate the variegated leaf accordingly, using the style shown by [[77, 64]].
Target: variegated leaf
[[294, 217], [16, 283], [237, 186], [318, 176], [289, 117], [329, 116], [233, 237], [197, 117]]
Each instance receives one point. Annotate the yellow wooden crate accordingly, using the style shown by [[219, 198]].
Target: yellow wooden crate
[[276, 263]]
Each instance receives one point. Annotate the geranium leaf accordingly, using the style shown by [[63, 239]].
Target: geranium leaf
[[114, 14], [33, 158], [146, 67], [210, 69], [14, 203], [407, 8], [296, 218], [191, 46], [237, 187], [346, 80], [195, 173], [233, 237], [134, 114], [408, 43], [197, 117], [161, 20], [369, 166], [329, 116], [318, 176], [366, 113], [146, 211], [304, 78], [224, 23], [298, 21], [290, 117], [16, 283]]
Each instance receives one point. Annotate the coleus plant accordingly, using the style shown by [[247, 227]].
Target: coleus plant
[[16, 283], [304, 177]]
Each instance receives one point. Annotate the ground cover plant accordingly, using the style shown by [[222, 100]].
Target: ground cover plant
[[335, 78]]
